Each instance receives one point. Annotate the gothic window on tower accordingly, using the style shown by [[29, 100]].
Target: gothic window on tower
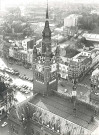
[[53, 76]]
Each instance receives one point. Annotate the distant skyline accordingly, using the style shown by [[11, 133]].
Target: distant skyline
[[5, 3], [50, 1]]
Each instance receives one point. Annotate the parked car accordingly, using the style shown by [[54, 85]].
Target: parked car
[[27, 91], [4, 124], [16, 72]]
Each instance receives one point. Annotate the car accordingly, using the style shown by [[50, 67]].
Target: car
[[26, 87], [30, 88], [23, 86], [26, 78], [16, 73], [65, 90], [31, 80], [4, 124], [26, 92]]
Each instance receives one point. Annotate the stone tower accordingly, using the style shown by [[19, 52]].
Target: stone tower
[[45, 64]]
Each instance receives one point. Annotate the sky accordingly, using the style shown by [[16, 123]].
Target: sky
[[5, 3]]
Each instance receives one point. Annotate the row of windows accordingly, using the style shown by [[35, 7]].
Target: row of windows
[[39, 77]]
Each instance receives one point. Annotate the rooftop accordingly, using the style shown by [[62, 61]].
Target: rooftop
[[63, 109], [91, 36]]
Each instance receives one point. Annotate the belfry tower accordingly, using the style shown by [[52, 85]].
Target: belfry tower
[[45, 64]]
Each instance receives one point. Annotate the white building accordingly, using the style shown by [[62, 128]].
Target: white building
[[28, 43], [95, 77], [91, 37], [71, 20], [30, 56], [63, 71], [11, 52]]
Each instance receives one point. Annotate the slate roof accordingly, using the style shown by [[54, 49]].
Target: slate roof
[[63, 109]]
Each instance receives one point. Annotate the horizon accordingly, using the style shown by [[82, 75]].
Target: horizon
[[11, 3]]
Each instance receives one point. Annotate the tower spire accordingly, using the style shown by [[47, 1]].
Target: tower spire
[[47, 11]]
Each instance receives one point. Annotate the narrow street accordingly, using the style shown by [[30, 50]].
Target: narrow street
[[19, 82], [4, 130]]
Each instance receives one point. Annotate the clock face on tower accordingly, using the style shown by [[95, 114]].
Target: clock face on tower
[[39, 67]]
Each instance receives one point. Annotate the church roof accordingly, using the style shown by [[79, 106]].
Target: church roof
[[63, 109]]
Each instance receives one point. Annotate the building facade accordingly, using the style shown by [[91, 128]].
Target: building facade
[[79, 66], [30, 56], [71, 20], [71, 25], [28, 43], [6, 99]]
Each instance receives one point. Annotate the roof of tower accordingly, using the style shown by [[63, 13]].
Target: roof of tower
[[47, 31], [47, 11]]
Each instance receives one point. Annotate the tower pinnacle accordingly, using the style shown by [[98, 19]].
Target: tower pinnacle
[[47, 11]]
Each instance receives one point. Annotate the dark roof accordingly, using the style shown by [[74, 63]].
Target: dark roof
[[71, 52], [64, 108]]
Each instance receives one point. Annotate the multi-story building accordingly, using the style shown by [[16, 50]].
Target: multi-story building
[[28, 43], [23, 56], [6, 98], [79, 65], [63, 71], [71, 20], [71, 25], [11, 52], [46, 113], [95, 56], [30, 56], [95, 77]]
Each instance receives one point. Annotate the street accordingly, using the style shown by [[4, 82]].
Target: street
[[4, 130], [17, 81]]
